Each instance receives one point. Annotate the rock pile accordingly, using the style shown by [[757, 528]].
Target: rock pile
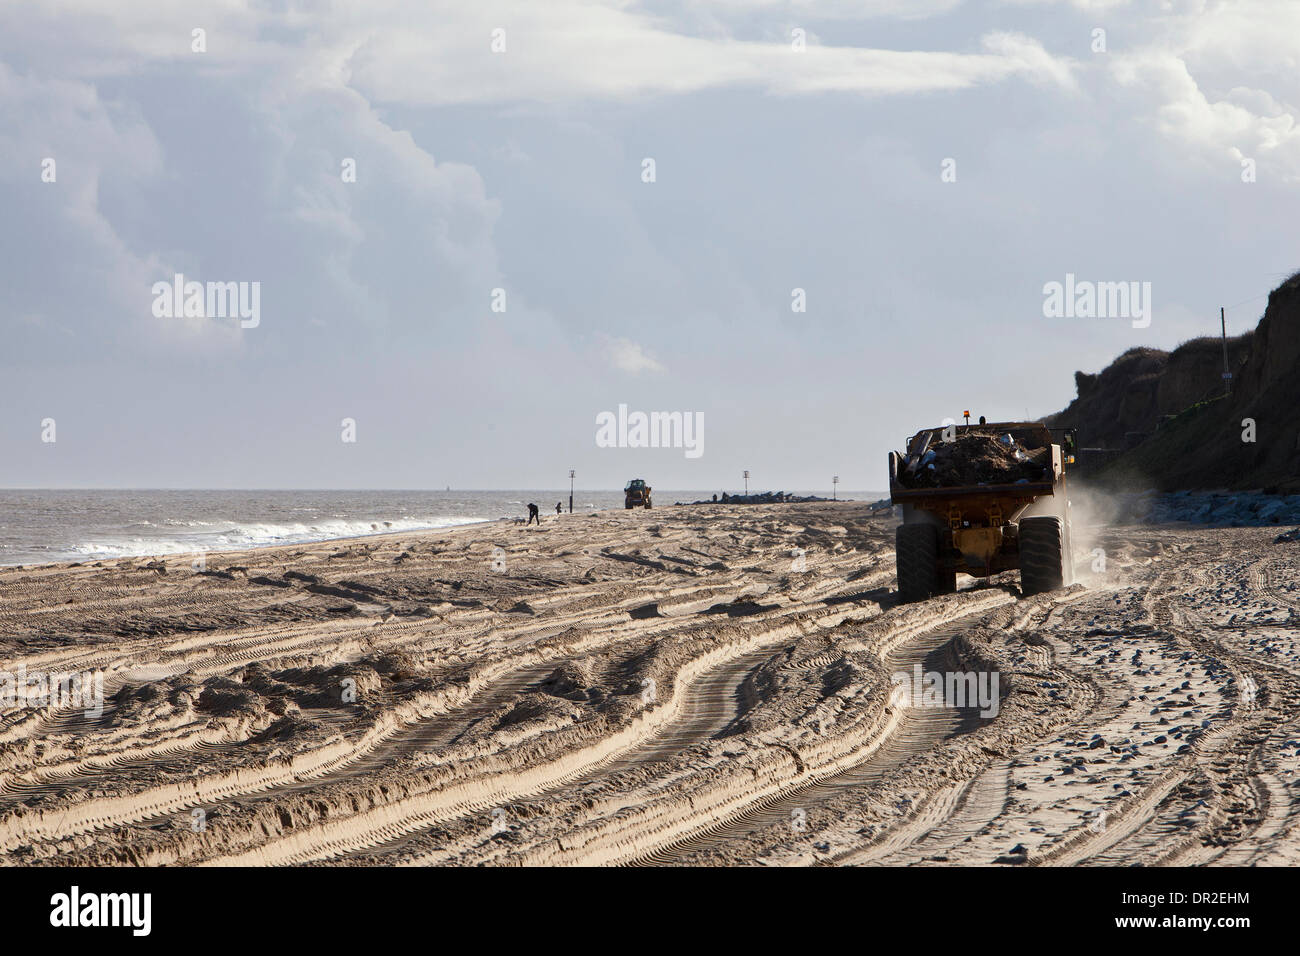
[[765, 498], [1216, 509]]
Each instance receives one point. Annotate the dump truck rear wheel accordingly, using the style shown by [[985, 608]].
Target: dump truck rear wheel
[[916, 549], [947, 582], [1042, 554]]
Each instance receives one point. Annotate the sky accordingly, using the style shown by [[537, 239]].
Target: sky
[[815, 228]]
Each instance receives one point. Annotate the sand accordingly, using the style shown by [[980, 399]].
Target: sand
[[687, 685]]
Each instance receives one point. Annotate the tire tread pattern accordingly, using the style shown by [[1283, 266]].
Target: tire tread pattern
[[1042, 552], [916, 549]]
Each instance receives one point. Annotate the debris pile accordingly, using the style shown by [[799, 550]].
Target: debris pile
[[973, 458]]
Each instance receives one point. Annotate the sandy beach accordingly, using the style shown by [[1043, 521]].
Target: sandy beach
[[686, 685]]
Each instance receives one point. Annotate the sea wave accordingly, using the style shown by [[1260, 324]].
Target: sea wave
[[233, 536]]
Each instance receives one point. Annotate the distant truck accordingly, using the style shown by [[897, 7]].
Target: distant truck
[[981, 499], [636, 494]]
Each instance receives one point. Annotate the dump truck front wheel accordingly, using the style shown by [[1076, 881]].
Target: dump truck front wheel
[[1042, 555], [916, 549]]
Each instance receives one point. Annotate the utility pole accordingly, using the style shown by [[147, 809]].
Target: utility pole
[[835, 494], [1227, 375], [570, 491], [746, 484]]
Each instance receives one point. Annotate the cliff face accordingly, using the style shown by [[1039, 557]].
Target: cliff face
[[1275, 357], [1168, 414], [1127, 401], [1118, 400]]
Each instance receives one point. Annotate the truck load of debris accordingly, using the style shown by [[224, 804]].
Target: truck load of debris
[[972, 458]]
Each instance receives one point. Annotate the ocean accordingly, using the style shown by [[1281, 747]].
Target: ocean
[[43, 526]]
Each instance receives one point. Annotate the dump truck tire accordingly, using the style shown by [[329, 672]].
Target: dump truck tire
[[916, 549], [947, 582], [1042, 555]]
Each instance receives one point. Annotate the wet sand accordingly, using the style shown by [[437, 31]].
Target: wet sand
[[687, 685]]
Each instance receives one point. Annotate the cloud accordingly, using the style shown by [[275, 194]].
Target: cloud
[[441, 53], [1020, 54], [476, 170], [628, 356], [1087, 6], [835, 9], [1239, 123], [135, 203], [84, 136], [582, 51], [446, 241]]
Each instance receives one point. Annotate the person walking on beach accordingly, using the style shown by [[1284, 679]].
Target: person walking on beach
[[532, 514], [559, 508]]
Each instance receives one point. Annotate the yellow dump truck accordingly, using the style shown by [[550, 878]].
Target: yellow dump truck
[[636, 494], [981, 499]]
